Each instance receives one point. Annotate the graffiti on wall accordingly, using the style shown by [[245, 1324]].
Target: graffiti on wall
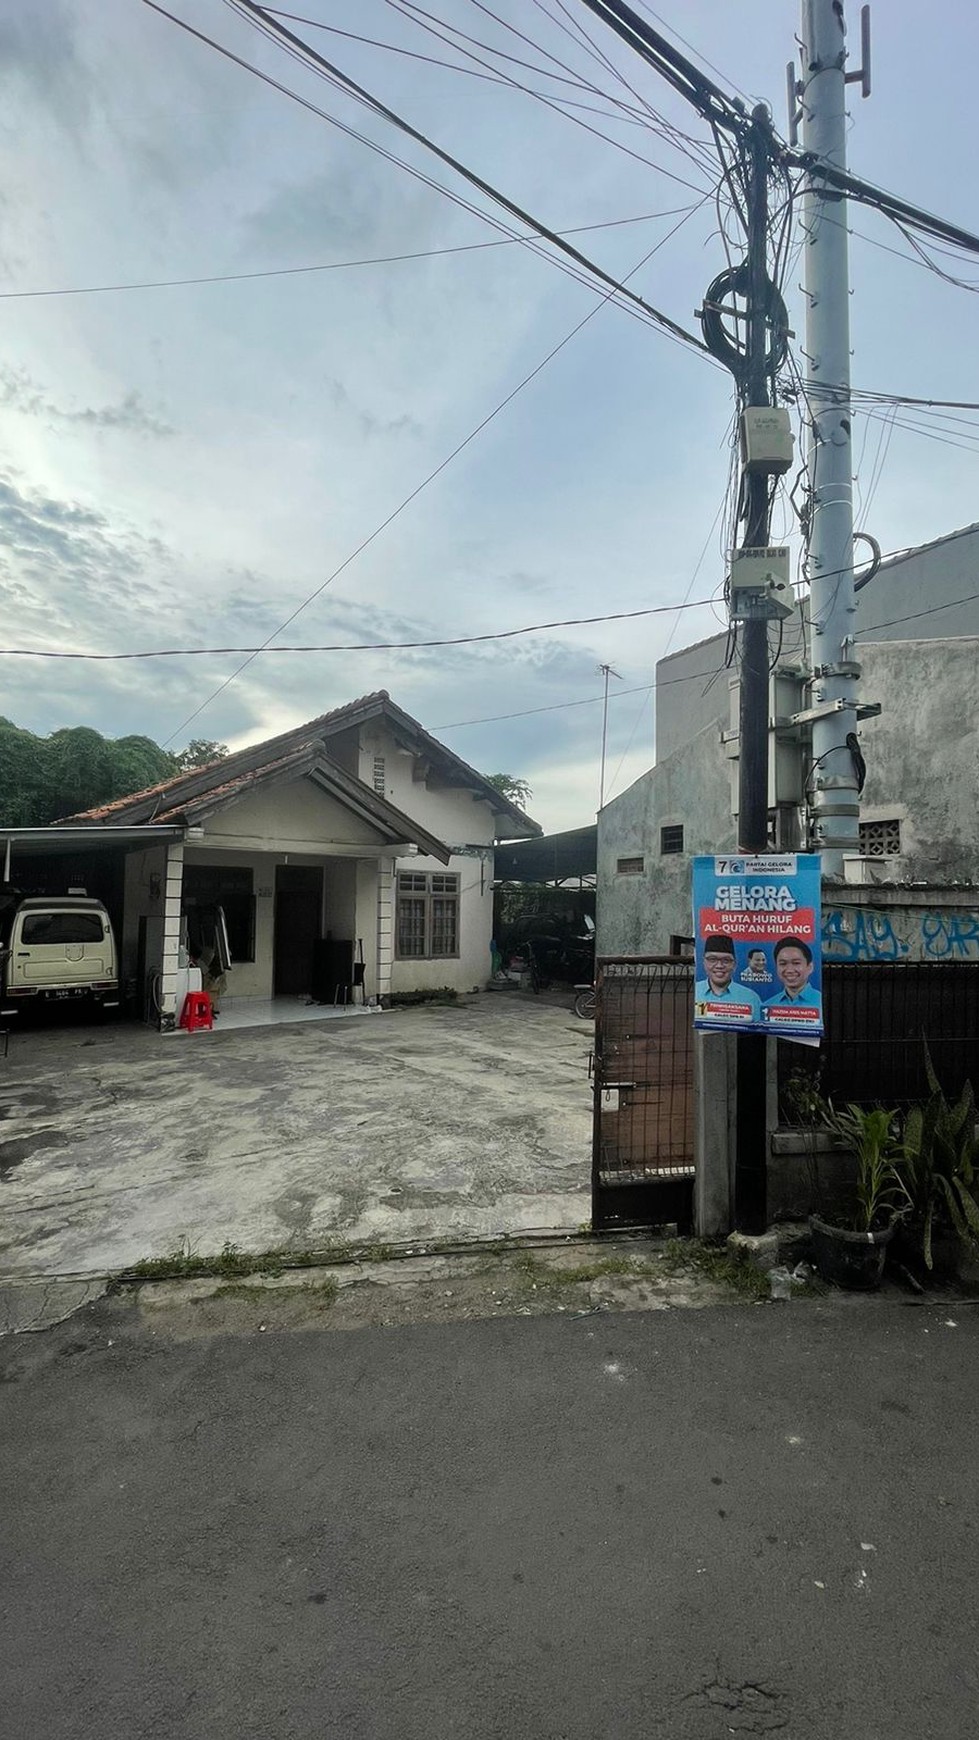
[[857, 933]]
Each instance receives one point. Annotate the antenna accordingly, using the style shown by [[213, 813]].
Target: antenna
[[862, 77], [607, 672]]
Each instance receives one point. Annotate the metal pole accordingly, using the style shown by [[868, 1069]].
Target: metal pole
[[608, 672], [750, 1166], [836, 803]]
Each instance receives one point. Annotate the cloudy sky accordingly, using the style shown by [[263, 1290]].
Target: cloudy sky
[[184, 466]]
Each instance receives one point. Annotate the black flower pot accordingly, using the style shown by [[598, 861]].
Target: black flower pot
[[849, 1259]]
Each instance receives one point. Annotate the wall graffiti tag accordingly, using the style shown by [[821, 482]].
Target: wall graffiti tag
[[862, 934], [950, 935]]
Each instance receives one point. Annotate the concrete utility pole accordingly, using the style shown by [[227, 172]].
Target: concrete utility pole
[[750, 1170], [822, 91]]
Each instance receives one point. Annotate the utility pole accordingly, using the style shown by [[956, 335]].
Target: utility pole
[[607, 672], [750, 1168], [822, 92]]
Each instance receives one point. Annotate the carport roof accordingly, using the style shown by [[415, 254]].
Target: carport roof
[[555, 858]]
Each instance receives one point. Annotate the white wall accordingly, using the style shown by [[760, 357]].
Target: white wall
[[143, 897], [298, 816], [452, 814], [471, 969], [249, 978]]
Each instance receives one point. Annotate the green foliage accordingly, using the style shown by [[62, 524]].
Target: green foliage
[[200, 752], [939, 1160], [714, 1262], [870, 1134], [517, 791], [76, 768]]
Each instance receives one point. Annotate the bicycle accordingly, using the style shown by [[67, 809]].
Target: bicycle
[[584, 1002]]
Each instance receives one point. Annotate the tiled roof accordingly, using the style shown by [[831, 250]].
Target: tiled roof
[[195, 780], [204, 787]]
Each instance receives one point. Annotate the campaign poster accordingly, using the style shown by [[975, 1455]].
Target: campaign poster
[[756, 926]]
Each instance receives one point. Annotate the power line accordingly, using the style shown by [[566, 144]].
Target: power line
[[417, 16], [430, 478], [504, 241], [641, 311], [335, 74], [916, 616], [193, 652]]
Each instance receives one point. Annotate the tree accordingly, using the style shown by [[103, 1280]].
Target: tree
[[517, 791], [138, 762], [200, 752], [45, 778]]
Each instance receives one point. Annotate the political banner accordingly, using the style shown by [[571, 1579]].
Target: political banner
[[756, 926]]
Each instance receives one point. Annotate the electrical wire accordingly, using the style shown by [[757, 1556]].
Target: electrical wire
[[408, 499], [418, 16], [504, 241], [335, 76], [685, 605], [644, 309], [193, 652]]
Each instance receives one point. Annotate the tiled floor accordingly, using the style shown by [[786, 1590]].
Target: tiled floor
[[275, 1012]]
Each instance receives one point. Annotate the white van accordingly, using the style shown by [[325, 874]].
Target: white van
[[57, 949]]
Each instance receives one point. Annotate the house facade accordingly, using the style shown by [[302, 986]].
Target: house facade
[[917, 633], [356, 847]]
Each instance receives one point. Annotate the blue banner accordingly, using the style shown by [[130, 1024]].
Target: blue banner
[[757, 961]]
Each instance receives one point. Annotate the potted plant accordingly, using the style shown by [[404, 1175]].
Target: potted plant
[[939, 1159], [849, 1246]]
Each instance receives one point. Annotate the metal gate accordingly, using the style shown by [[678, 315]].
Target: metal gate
[[642, 1135]]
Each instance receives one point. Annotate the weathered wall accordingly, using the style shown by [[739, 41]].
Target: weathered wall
[[637, 914], [932, 575], [922, 753], [901, 924]]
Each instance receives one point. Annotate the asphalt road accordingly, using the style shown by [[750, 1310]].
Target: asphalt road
[[748, 1520]]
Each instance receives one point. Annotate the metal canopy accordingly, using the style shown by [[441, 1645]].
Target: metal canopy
[[554, 858], [80, 839]]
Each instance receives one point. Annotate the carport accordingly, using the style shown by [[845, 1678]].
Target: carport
[[75, 859]]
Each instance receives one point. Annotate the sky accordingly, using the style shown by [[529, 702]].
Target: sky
[[185, 466]]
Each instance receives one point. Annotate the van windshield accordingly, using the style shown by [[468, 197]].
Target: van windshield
[[61, 927]]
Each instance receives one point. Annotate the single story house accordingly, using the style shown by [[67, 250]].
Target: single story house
[[354, 839]]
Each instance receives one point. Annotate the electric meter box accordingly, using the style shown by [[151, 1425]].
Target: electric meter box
[[767, 442], [760, 583]]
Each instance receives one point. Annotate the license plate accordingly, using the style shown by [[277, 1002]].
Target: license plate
[[75, 991]]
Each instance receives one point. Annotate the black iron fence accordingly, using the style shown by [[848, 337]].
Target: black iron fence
[[879, 1017], [642, 1157]]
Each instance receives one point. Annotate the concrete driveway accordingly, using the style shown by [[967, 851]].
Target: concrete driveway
[[471, 1119]]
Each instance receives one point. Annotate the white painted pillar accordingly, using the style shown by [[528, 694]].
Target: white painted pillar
[[386, 896], [172, 891]]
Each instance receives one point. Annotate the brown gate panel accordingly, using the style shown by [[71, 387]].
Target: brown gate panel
[[642, 1152]]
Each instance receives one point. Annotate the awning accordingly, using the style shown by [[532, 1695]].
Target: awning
[[554, 858]]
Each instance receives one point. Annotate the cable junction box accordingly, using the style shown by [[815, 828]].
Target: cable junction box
[[767, 441], [760, 585]]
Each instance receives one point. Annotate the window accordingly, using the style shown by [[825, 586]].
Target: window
[[671, 838], [62, 927], [428, 917], [208, 886], [379, 775], [880, 839], [629, 866]]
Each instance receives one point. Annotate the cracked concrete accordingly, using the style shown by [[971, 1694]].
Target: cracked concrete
[[469, 1120]]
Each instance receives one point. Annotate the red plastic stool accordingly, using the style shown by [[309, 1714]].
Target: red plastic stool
[[197, 1013]]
